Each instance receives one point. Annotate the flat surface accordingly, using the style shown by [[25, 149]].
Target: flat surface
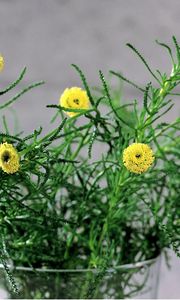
[[47, 36]]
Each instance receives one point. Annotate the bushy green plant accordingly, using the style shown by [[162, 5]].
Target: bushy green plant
[[73, 204]]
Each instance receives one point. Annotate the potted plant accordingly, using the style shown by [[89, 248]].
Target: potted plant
[[87, 209]]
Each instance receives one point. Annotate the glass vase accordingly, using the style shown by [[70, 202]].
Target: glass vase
[[139, 280]]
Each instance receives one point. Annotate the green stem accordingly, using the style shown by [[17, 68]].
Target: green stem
[[113, 202], [74, 155]]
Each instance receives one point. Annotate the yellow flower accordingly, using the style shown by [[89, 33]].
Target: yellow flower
[[9, 158], [138, 157], [1, 63], [74, 98]]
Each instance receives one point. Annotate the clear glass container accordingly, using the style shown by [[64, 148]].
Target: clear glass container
[[138, 280]]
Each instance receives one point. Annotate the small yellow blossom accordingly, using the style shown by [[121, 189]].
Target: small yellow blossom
[[138, 157], [1, 62], [74, 98], [9, 158]]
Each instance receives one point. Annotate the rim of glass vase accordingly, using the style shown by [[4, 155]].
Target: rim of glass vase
[[109, 270]]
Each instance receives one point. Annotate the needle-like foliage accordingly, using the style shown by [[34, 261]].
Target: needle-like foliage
[[68, 208]]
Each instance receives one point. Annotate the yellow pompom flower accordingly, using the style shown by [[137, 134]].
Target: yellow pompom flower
[[9, 158], [74, 98], [1, 62], [138, 157]]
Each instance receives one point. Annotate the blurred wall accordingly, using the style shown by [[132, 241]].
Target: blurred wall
[[47, 36]]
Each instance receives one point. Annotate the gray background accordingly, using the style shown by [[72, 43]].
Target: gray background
[[48, 35]]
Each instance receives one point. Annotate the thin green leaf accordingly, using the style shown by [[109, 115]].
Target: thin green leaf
[[146, 98], [110, 100], [21, 93], [177, 48], [12, 85], [167, 48], [143, 60], [83, 78], [127, 80]]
